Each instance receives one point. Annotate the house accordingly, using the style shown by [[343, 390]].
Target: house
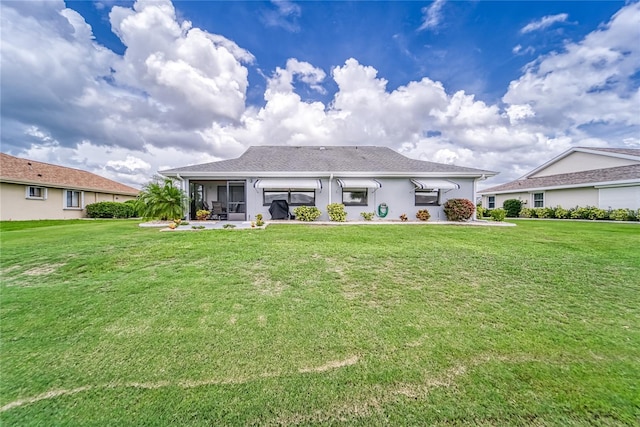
[[363, 178], [607, 178], [36, 190]]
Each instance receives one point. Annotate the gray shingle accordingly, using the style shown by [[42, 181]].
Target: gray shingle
[[619, 173], [625, 151], [334, 159]]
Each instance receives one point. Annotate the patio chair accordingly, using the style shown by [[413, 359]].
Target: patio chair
[[218, 211]]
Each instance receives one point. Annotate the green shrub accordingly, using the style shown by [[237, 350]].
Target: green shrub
[[561, 213], [259, 220], [527, 213], [368, 216], [512, 207], [597, 213], [459, 209], [307, 213], [423, 215], [498, 214], [480, 212], [133, 203], [621, 214], [578, 213], [336, 212], [544, 212], [110, 210]]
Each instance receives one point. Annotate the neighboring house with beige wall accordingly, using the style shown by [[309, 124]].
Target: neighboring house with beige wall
[[35, 190], [607, 178]]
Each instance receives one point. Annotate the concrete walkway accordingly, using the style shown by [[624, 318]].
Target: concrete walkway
[[243, 225]]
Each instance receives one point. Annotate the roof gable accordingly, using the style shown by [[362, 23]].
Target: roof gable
[[24, 171], [580, 159], [328, 159]]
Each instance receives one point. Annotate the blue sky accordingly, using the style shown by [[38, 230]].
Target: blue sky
[[124, 89]]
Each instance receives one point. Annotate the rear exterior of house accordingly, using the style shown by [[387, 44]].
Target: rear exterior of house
[[31, 190], [363, 178], [607, 178]]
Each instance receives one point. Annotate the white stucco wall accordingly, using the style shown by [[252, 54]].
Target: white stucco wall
[[578, 162], [570, 198], [619, 197], [397, 193]]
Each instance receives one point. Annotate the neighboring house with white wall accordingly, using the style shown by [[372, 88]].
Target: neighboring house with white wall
[[607, 178], [361, 177], [35, 190]]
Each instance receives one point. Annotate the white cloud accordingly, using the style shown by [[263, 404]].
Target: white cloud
[[590, 81], [282, 80], [177, 97], [518, 50], [432, 15], [544, 22], [284, 16], [60, 88]]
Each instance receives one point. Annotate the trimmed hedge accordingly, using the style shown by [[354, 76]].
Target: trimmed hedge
[[590, 212], [111, 210]]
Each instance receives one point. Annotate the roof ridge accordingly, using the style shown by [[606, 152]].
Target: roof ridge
[[35, 172]]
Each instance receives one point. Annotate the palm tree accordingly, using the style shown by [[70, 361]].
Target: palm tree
[[161, 199]]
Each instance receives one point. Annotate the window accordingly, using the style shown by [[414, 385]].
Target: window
[[38, 193], [293, 197], [538, 200], [353, 197], [427, 197], [73, 199], [491, 202]]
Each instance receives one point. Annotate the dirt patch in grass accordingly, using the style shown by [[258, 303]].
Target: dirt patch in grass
[[331, 365], [43, 270]]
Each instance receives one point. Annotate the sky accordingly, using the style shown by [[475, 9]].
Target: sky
[[124, 89]]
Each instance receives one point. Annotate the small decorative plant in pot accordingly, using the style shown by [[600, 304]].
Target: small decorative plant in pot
[[202, 214], [367, 216], [423, 215]]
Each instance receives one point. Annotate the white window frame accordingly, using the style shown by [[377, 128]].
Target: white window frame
[[533, 199], [80, 200], [436, 202], [489, 203], [27, 192], [355, 190]]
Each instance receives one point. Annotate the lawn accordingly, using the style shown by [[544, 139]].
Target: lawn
[[104, 322]]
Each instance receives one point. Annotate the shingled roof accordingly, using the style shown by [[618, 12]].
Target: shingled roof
[[574, 179], [23, 171], [329, 159], [625, 151]]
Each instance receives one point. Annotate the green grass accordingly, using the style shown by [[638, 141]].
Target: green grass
[[107, 323]]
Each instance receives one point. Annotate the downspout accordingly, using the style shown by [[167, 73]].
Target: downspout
[[330, 179], [475, 195], [182, 185]]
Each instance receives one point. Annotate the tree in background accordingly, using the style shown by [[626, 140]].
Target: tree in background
[[161, 199]]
